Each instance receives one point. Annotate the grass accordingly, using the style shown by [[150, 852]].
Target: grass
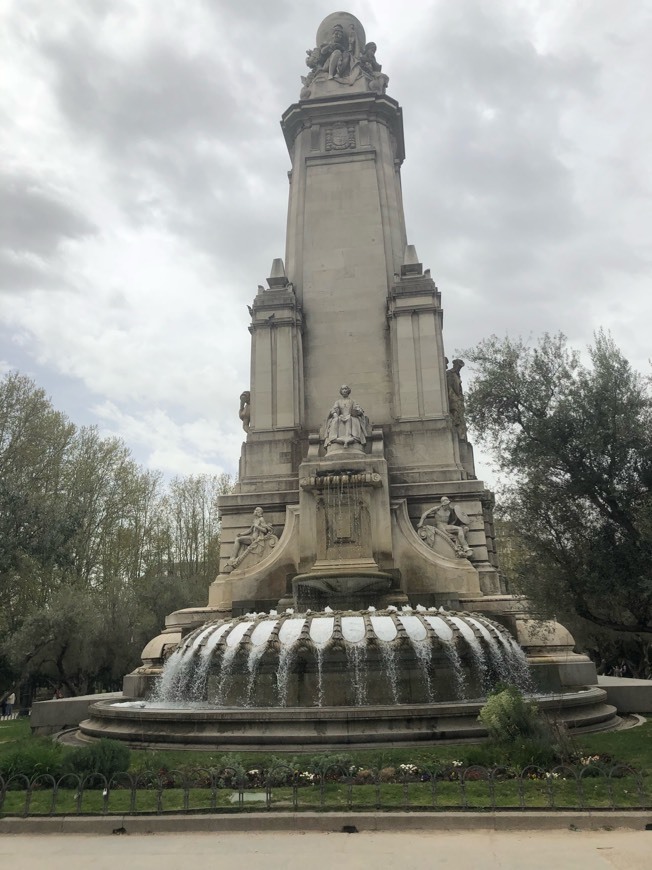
[[13, 730], [632, 747], [335, 796]]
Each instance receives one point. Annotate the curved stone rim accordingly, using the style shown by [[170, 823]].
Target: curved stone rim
[[296, 727]]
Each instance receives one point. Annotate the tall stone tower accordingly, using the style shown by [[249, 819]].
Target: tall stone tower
[[351, 304]]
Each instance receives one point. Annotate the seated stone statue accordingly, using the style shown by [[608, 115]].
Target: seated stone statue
[[347, 424], [244, 543], [372, 69], [452, 521], [335, 56]]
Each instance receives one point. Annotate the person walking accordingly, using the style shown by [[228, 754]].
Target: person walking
[[9, 704]]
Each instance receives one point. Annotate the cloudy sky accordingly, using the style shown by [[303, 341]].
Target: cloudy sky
[[143, 188]]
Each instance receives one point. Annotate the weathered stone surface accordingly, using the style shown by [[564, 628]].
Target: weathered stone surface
[[50, 717]]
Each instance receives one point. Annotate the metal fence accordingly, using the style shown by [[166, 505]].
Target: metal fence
[[284, 788]]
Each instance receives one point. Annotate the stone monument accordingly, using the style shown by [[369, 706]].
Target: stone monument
[[370, 500]]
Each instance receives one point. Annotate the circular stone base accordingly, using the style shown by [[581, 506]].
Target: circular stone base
[[291, 728]]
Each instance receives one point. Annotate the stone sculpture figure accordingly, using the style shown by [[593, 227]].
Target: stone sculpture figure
[[372, 69], [456, 397], [344, 58], [245, 409], [452, 521], [253, 540], [336, 56], [347, 424]]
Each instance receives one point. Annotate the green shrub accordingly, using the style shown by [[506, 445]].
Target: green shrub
[[507, 716], [106, 757], [32, 758], [330, 764], [519, 734]]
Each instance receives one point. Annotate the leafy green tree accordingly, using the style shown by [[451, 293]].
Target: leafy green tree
[[34, 530], [186, 557], [94, 550], [575, 442]]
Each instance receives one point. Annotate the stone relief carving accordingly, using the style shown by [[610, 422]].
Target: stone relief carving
[[340, 137], [450, 520], [347, 425], [256, 542], [344, 57], [456, 397], [245, 409]]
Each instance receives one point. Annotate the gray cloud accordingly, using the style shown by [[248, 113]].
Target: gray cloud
[[35, 220], [34, 223], [524, 186]]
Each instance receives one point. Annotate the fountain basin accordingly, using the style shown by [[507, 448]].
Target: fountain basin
[[340, 590], [293, 728]]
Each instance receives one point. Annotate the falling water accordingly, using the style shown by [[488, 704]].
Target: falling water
[[450, 650], [388, 653], [283, 674], [423, 652], [259, 638], [197, 687], [509, 662], [320, 668], [253, 660], [373, 643], [172, 685], [477, 652], [356, 656], [417, 634], [519, 668], [288, 636], [226, 673]]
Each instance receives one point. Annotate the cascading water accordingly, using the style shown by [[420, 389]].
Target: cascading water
[[341, 659], [288, 636], [508, 659], [174, 683]]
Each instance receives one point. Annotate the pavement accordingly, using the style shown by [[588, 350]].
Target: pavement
[[256, 850]]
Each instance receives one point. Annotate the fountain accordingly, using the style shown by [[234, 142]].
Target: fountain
[[298, 660], [359, 599]]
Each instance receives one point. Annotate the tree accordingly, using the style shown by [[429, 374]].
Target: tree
[[34, 529], [185, 559], [94, 550], [575, 441]]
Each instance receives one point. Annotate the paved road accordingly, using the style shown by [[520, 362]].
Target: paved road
[[475, 850]]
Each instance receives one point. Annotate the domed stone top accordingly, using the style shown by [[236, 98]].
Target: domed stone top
[[346, 21]]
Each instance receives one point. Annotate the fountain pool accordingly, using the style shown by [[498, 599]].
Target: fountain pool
[[330, 678]]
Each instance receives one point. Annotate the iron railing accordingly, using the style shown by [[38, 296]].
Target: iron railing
[[284, 788]]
